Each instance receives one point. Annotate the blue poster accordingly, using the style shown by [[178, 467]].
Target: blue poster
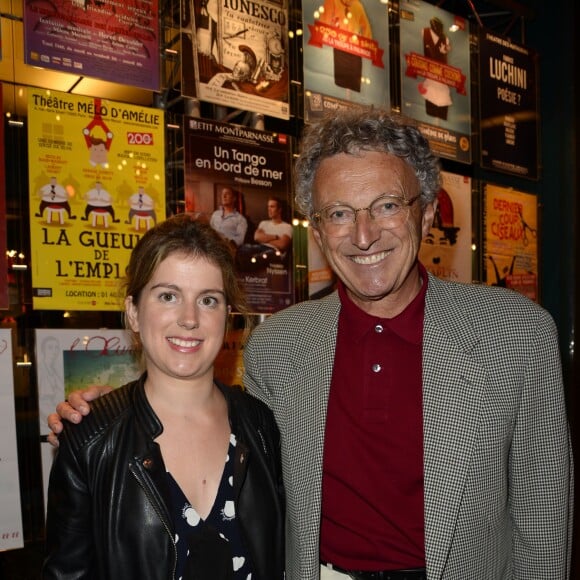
[[346, 61], [435, 77]]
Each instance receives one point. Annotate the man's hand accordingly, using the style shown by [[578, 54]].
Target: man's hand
[[73, 410]]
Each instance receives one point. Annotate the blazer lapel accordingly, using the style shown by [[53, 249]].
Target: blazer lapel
[[306, 418], [453, 383]]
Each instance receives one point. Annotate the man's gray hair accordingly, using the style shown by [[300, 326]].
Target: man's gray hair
[[367, 129]]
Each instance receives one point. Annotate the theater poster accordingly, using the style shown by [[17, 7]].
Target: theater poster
[[4, 297], [238, 180], [11, 535], [508, 106], [511, 240], [446, 251], [75, 359], [345, 55], [321, 279], [241, 55], [97, 184], [435, 77], [113, 41], [229, 364]]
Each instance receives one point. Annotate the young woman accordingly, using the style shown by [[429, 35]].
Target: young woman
[[173, 476]]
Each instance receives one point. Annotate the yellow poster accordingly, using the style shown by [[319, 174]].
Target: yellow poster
[[511, 240], [97, 184]]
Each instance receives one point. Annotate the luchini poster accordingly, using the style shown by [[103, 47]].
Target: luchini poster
[[435, 78], [111, 40], [238, 180], [509, 106], [446, 251], [240, 54], [511, 240], [345, 55], [97, 183]]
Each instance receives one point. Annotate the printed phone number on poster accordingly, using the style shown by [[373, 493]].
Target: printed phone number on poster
[[91, 294]]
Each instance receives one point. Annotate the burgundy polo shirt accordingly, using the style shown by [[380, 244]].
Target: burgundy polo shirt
[[372, 486]]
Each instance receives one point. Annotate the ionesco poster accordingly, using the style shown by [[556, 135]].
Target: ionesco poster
[[240, 54], [97, 184]]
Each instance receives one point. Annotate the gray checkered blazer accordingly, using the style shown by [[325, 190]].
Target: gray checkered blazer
[[497, 458]]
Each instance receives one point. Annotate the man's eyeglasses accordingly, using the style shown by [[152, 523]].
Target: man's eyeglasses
[[337, 219]]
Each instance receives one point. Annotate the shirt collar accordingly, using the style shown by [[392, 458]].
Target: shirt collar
[[408, 325]]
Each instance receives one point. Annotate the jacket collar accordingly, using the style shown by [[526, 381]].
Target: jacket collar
[[151, 422]]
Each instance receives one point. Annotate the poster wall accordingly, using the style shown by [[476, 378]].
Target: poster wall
[[510, 240], [113, 41], [238, 179], [345, 55], [97, 183], [11, 535], [508, 106], [240, 54], [435, 77], [446, 251]]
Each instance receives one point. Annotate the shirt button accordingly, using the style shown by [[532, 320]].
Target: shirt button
[[376, 368], [379, 328]]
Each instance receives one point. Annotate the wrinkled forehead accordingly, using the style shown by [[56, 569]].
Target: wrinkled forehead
[[378, 172]]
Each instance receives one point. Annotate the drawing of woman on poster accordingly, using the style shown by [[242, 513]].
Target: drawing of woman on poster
[[50, 378]]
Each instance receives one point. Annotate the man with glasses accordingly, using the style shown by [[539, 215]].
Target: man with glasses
[[422, 422]]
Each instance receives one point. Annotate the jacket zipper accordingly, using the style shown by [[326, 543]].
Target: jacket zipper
[[140, 476]]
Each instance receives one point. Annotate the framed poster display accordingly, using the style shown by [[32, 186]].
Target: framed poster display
[[240, 54], [435, 77], [509, 114], [345, 55], [11, 535], [511, 240], [97, 183], [238, 179], [446, 251], [75, 359], [112, 41], [4, 299]]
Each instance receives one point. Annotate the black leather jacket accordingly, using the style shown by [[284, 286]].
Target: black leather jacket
[[108, 515]]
